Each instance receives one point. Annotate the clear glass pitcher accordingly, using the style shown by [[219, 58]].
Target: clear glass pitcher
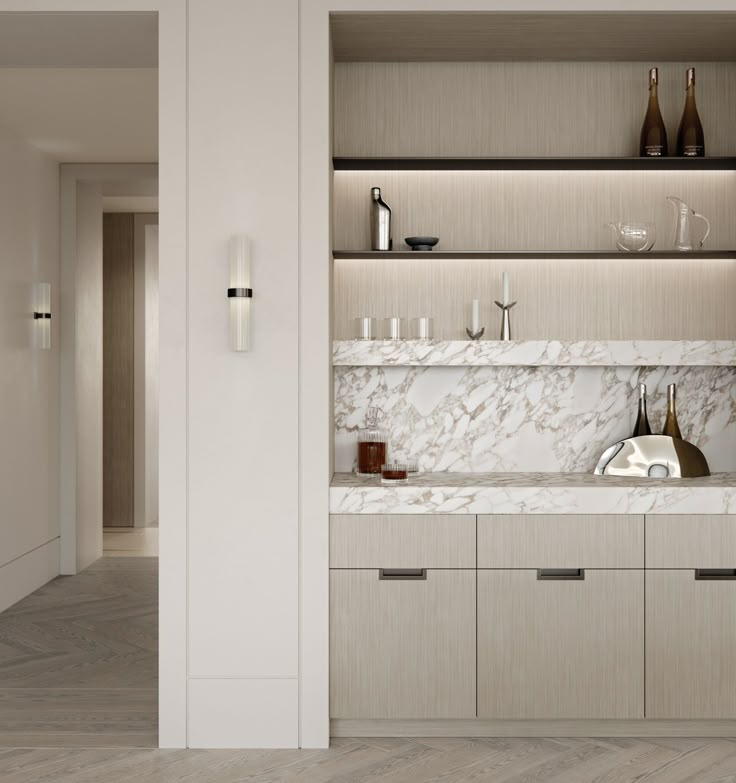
[[683, 235], [633, 237]]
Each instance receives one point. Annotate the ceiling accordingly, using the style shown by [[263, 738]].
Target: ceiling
[[130, 204], [84, 115], [462, 36], [78, 40], [82, 87]]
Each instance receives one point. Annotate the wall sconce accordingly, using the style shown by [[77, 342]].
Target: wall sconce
[[42, 315], [239, 293]]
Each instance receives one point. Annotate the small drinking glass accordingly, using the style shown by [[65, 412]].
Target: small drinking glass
[[394, 473], [422, 328], [394, 328], [365, 329]]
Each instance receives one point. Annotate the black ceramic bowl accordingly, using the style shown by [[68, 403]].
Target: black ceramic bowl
[[421, 243]]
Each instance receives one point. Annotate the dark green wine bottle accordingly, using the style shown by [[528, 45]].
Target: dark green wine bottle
[[653, 140], [642, 420], [690, 138]]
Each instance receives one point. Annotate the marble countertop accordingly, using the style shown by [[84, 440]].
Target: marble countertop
[[533, 493], [534, 353]]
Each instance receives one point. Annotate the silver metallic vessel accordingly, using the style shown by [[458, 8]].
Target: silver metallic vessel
[[653, 456], [381, 238]]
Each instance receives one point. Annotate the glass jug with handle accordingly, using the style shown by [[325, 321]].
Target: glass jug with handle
[[683, 237]]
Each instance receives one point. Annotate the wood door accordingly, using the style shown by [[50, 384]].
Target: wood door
[[117, 369], [691, 644], [402, 648], [560, 648]]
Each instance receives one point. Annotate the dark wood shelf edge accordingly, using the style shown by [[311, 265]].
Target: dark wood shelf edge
[[358, 255], [558, 164]]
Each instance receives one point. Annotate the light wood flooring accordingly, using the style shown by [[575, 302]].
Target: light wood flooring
[[130, 541], [79, 660], [78, 705], [392, 761]]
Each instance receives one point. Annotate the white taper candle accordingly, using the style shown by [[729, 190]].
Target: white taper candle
[[506, 296], [475, 328]]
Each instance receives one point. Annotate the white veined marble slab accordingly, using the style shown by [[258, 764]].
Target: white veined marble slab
[[533, 493], [534, 353]]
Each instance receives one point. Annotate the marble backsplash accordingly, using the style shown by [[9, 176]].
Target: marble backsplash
[[560, 419]]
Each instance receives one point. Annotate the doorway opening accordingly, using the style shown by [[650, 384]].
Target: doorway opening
[[78, 217]]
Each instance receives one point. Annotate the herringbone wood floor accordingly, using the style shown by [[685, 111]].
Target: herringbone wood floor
[[79, 659], [393, 761], [78, 668]]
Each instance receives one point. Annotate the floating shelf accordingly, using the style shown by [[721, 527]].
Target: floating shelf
[[535, 164], [534, 353], [461, 255]]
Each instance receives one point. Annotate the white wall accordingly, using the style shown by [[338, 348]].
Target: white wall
[[243, 408], [89, 374], [29, 378]]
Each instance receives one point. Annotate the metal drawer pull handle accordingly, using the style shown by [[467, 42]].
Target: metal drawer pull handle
[[561, 573], [402, 573], [715, 573]]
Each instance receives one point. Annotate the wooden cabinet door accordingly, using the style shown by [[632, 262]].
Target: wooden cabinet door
[[402, 647], [560, 647], [691, 644]]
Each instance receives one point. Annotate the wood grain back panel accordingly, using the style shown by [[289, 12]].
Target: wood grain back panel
[[632, 299], [478, 35], [521, 108]]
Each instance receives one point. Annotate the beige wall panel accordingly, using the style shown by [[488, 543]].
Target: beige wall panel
[[560, 649], [691, 541], [531, 210], [560, 541], [402, 649], [520, 108], [691, 639], [118, 356], [635, 298], [89, 375], [402, 541]]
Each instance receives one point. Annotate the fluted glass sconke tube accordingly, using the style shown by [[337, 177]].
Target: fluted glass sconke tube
[[42, 316], [239, 293]]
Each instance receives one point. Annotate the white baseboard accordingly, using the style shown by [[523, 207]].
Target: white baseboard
[[20, 577], [479, 727], [243, 713]]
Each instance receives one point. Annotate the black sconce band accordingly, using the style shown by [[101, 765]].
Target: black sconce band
[[36, 316], [239, 292]]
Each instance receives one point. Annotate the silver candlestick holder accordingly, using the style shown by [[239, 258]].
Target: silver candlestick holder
[[476, 335], [505, 320]]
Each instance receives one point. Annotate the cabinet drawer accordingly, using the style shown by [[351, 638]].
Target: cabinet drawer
[[691, 540], [402, 541], [691, 646], [402, 649], [560, 541], [568, 648]]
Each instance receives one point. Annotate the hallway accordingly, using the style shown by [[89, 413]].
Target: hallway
[[79, 660]]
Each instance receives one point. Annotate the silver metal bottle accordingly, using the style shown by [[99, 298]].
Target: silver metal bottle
[[381, 238]]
